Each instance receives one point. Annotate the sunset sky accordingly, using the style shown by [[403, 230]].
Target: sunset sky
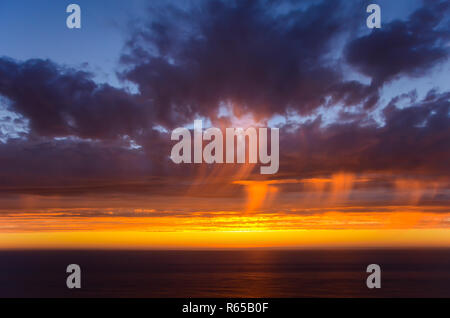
[[86, 118]]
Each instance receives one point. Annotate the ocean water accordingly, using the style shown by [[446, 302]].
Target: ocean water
[[238, 273]]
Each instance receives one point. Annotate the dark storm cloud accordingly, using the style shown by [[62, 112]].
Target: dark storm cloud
[[408, 47], [266, 61], [242, 52], [413, 140], [60, 102], [187, 60], [48, 161]]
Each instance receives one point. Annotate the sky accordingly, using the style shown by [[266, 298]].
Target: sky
[[86, 116]]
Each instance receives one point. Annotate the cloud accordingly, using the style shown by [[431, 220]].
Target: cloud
[[188, 62], [410, 47], [414, 139], [262, 57], [61, 101]]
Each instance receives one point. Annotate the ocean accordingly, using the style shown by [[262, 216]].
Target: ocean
[[226, 273]]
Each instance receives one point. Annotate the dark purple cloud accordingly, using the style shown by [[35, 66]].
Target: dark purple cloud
[[245, 53], [189, 60], [408, 47], [413, 140], [61, 101]]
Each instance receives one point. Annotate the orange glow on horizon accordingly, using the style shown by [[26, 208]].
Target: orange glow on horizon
[[231, 239], [225, 229], [333, 211]]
